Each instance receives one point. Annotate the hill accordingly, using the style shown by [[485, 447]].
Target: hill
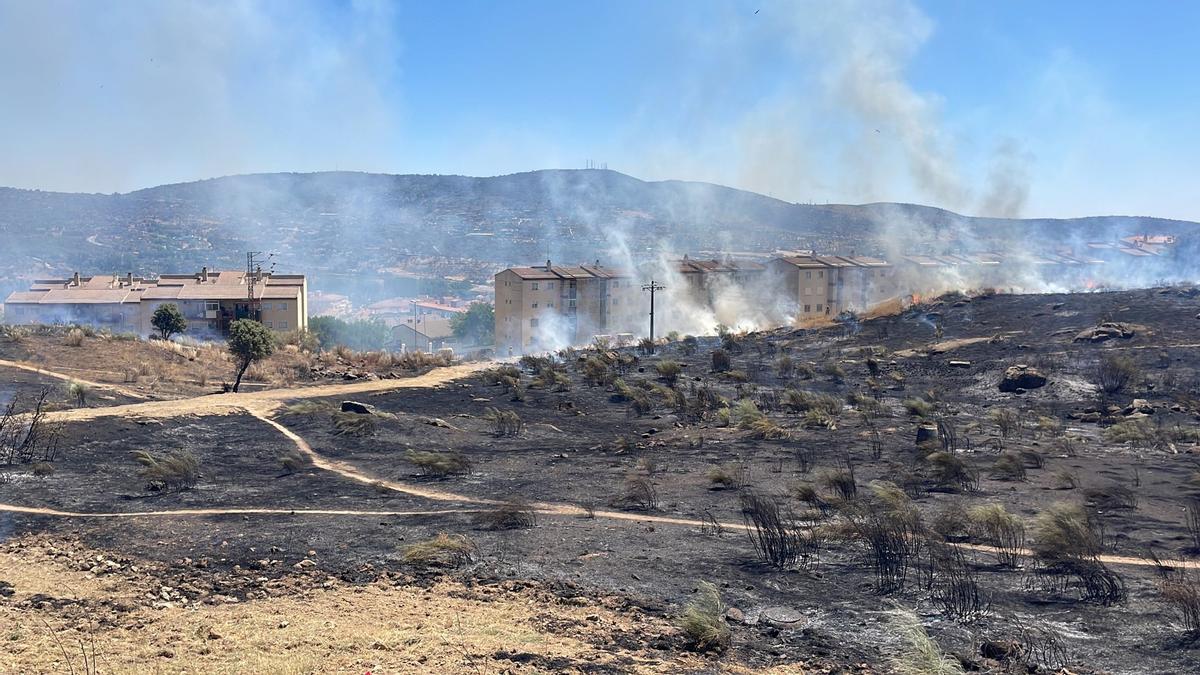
[[341, 223]]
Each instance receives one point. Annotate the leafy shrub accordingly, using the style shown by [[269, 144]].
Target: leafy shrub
[[1007, 421], [835, 371], [1003, 531], [804, 401], [703, 621], [1136, 432], [720, 361], [1181, 591], [73, 338], [840, 482], [78, 391], [668, 371], [950, 521], [353, 424], [637, 493], [1112, 496], [951, 470], [438, 464], [917, 407], [1115, 372], [444, 550], [293, 460], [785, 367], [1008, 466], [731, 476], [504, 422], [42, 469], [178, 470], [1062, 532], [891, 527], [511, 514], [918, 653]]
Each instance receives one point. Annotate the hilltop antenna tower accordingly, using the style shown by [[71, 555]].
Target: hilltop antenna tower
[[653, 287]]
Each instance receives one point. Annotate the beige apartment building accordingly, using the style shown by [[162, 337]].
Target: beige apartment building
[[703, 280], [823, 286], [549, 307], [210, 301]]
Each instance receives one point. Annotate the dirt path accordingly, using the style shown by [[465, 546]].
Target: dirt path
[[261, 404], [263, 401], [175, 513], [71, 378]]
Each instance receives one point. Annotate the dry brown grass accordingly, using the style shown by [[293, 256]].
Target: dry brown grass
[[447, 628]]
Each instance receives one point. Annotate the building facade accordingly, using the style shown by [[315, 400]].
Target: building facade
[[825, 286], [210, 301], [552, 306]]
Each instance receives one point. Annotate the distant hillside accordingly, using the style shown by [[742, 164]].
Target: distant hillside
[[350, 224]]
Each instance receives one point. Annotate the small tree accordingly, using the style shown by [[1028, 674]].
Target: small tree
[[477, 324], [168, 320], [249, 341]]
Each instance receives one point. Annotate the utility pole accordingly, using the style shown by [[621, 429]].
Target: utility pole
[[653, 287], [254, 260]]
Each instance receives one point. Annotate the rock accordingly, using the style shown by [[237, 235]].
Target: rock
[[1139, 405], [1090, 417], [960, 364], [1022, 376], [735, 615], [358, 408], [781, 616], [926, 432], [999, 650], [6, 589], [1105, 331]]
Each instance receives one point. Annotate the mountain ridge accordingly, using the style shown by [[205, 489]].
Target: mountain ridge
[[359, 223]]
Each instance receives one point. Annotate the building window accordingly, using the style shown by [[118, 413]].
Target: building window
[[571, 303], [818, 308], [535, 305], [807, 309], [212, 306], [616, 301], [549, 285], [283, 306], [808, 274], [282, 325], [270, 324], [550, 305], [821, 274], [535, 286], [533, 323]]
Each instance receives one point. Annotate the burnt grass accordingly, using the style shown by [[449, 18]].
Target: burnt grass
[[580, 444]]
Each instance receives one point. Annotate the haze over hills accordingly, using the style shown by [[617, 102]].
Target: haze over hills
[[344, 224]]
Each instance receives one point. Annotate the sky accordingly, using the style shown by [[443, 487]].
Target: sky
[[1014, 108]]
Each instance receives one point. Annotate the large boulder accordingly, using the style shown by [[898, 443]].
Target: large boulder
[[357, 408], [1022, 377], [1105, 331]]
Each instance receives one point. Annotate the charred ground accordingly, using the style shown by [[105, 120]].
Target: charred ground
[[630, 467]]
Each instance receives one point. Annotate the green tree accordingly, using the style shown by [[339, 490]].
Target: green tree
[[249, 341], [359, 335], [168, 320], [477, 325]]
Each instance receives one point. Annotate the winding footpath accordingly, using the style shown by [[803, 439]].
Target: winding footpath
[[262, 404]]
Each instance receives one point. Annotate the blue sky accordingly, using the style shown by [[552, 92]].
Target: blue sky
[[1005, 108]]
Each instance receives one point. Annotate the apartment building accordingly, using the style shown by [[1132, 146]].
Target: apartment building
[[210, 301], [822, 286], [548, 307], [703, 280]]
